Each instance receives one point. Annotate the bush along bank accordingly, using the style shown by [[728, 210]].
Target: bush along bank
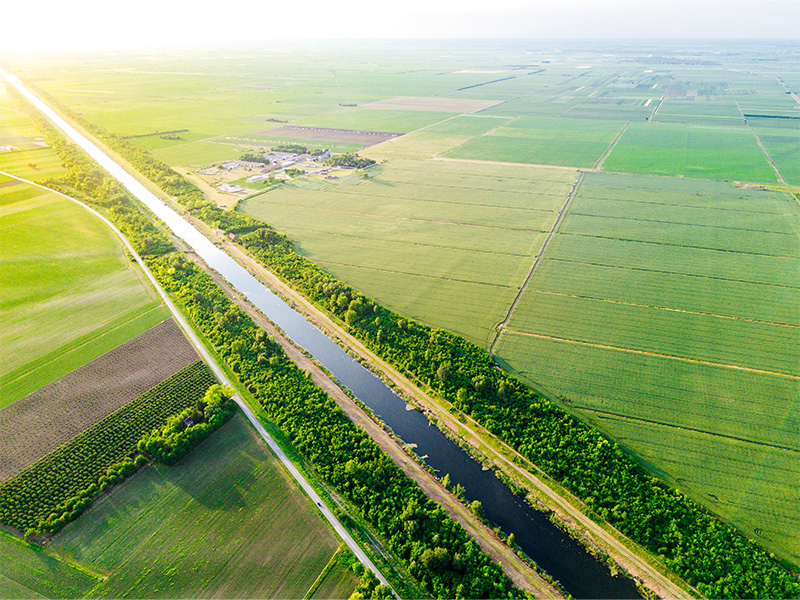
[[436, 550]]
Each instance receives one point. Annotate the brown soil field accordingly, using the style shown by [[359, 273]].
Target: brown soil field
[[41, 422], [331, 135], [451, 105]]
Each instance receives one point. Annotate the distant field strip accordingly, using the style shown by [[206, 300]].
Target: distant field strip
[[645, 313], [692, 429], [431, 103], [29, 428], [671, 309], [451, 248]]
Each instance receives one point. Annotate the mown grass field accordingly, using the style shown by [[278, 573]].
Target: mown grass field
[[69, 291], [681, 345], [451, 248], [225, 522]]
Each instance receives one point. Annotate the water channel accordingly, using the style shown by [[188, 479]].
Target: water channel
[[566, 560]]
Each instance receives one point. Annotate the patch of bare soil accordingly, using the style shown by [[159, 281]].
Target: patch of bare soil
[[37, 424]]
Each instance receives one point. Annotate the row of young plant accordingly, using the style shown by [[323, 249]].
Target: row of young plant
[[706, 552], [436, 550], [59, 487]]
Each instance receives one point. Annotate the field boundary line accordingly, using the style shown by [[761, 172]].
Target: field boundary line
[[507, 164], [663, 272], [694, 206], [685, 428], [220, 374], [611, 147], [760, 145], [672, 245], [670, 309], [502, 325], [682, 224], [654, 354], [407, 243], [392, 271], [439, 221]]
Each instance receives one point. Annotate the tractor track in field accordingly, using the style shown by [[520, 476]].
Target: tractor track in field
[[536, 263]]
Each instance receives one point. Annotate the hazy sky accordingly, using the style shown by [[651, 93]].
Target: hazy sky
[[77, 24]]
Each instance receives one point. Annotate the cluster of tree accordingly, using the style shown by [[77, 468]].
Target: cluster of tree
[[185, 430], [259, 158], [60, 486], [349, 160], [435, 549], [703, 550], [292, 148], [369, 586]]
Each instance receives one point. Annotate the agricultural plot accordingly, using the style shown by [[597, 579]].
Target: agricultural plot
[[540, 140], [451, 249], [367, 138], [69, 292], [364, 119], [690, 151], [28, 571], [28, 429], [783, 146], [436, 139], [680, 345], [225, 522], [47, 489]]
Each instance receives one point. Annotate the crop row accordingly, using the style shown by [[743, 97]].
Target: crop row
[[48, 487]]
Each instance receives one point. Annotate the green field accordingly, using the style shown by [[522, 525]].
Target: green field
[[436, 139], [683, 346], [690, 151], [225, 522], [542, 140], [69, 292], [451, 248], [28, 571], [783, 145]]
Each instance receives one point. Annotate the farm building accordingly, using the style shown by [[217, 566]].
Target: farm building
[[230, 188]]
